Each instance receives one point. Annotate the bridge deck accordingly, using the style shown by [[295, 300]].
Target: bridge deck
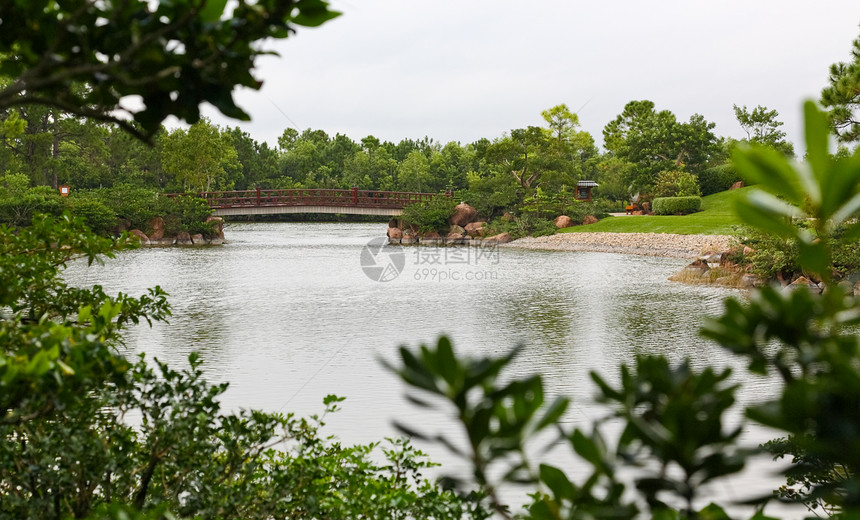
[[350, 202]]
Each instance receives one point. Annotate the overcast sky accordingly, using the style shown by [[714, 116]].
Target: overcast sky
[[459, 70]]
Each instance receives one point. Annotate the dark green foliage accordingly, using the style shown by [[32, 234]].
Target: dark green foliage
[[522, 226], [600, 209], [674, 426], [174, 55], [676, 183], [808, 474], [100, 218], [652, 142], [674, 415], [19, 204], [772, 256], [842, 96], [187, 213], [717, 178], [69, 450], [429, 216], [492, 196], [677, 205], [55, 340], [136, 207]]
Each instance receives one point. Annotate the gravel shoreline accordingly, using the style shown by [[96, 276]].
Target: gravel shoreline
[[648, 244]]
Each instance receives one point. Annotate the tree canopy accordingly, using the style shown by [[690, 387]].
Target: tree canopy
[[842, 96], [655, 141], [139, 59], [762, 127]]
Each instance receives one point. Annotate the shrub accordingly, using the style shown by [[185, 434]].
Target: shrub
[[717, 179], [677, 205], [676, 183], [100, 218], [771, 256], [524, 225], [189, 213], [429, 216], [579, 210], [137, 205], [18, 209]]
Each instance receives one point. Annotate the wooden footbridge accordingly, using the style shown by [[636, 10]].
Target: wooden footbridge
[[348, 202]]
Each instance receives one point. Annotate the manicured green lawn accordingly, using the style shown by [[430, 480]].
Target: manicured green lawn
[[716, 218]]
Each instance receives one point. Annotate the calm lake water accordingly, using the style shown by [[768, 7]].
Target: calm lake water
[[287, 313]]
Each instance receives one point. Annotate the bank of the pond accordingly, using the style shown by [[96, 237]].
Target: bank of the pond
[[647, 244]]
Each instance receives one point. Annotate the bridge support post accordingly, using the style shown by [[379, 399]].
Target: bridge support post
[[258, 195], [355, 194]]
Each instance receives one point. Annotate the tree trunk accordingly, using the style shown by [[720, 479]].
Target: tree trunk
[[55, 154]]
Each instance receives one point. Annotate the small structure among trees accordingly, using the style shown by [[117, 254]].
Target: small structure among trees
[[583, 190]]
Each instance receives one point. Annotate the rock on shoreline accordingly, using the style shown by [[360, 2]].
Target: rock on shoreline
[[648, 244]]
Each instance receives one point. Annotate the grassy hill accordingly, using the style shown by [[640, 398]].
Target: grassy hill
[[716, 218]]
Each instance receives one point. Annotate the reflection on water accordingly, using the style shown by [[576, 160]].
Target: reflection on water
[[286, 314]]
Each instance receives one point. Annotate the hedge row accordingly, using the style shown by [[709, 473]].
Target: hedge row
[[676, 205]]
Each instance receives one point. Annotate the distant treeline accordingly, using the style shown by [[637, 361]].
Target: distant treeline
[[495, 175]]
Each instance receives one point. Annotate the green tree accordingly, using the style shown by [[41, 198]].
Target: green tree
[[134, 162], [675, 183], [202, 157], [842, 96], [561, 121], [523, 154], [655, 141], [762, 127], [413, 174], [174, 55], [287, 139], [259, 162], [83, 156]]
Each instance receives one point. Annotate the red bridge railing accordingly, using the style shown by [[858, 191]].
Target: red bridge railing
[[311, 197]]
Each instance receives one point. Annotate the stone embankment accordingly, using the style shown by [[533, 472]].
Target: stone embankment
[[648, 244], [157, 236], [464, 229]]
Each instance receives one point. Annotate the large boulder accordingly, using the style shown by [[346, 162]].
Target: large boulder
[[156, 228], [395, 233], [750, 280], [184, 239], [198, 239], [698, 267], [476, 229], [217, 226], [590, 219], [456, 230], [802, 282], [121, 226], [501, 238], [140, 236], [738, 185], [463, 214], [563, 221]]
